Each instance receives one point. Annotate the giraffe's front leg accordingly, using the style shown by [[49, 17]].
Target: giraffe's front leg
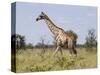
[[61, 51], [58, 48]]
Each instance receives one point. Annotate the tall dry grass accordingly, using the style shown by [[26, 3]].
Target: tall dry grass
[[34, 60]]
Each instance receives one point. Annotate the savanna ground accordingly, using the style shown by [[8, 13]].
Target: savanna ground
[[31, 60]]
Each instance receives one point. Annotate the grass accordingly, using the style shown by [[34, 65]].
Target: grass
[[33, 60]]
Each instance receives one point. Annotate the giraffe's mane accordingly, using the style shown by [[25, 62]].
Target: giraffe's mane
[[51, 21]]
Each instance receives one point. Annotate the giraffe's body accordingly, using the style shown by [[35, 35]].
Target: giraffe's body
[[60, 35]]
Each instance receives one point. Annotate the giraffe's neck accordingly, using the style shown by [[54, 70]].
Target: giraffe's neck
[[53, 28]]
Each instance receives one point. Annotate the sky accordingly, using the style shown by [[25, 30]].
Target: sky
[[68, 17]]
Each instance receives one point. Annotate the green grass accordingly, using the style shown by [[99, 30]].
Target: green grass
[[34, 60]]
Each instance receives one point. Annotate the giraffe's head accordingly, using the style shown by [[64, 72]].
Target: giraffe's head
[[41, 16]]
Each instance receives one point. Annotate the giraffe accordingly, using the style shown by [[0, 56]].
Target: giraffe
[[60, 35]]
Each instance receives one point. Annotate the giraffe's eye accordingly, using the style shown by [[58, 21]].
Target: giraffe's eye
[[41, 17]]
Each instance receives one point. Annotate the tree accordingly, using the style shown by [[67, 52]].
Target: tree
[[91, 39], [20, 41], [18, 44], [30, 46], [42, 42], [72, 33]]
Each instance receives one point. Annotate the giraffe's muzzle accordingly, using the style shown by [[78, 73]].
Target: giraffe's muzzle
[[37, 19]]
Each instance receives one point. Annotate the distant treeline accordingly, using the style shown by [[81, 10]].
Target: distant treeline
[[19, 42]]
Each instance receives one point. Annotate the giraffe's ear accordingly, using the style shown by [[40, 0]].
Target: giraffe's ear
[[42, 13]]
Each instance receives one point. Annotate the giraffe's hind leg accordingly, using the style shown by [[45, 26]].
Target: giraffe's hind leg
[[73, 52], [71, 47]]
